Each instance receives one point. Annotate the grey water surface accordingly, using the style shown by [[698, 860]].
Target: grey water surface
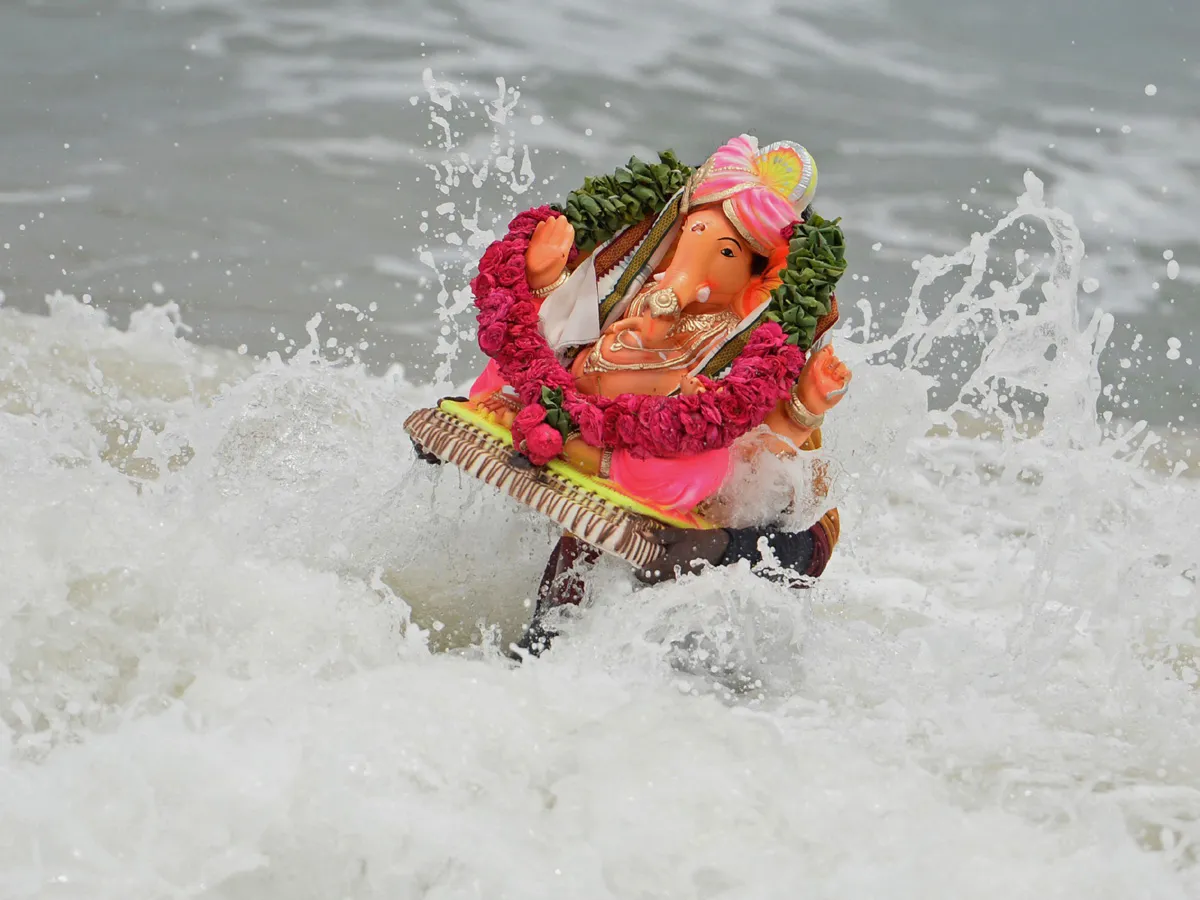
[[259, 161]]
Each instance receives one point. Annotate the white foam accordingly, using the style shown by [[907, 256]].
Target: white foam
[[221, 670]]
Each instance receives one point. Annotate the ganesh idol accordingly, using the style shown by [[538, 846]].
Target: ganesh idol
[[665, 324]]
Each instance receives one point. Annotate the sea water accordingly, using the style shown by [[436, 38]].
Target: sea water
[[250, 647]]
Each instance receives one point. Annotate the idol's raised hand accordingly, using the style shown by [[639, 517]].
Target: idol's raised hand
[[548, 251]]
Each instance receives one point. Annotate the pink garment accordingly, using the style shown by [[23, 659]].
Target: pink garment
[[679, 484], [489, 380]]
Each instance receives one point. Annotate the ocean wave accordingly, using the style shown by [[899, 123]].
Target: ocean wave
[[251, 645]]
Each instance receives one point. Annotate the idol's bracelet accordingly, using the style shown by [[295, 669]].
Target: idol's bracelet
[[606, 462], [799, 413], [554, 286]]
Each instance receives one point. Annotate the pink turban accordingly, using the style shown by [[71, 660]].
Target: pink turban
[[760, 191]]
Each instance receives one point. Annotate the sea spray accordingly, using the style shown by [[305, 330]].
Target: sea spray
[[473, 158], [212, 682]]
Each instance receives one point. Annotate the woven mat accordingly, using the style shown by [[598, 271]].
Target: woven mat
[[585, 514]]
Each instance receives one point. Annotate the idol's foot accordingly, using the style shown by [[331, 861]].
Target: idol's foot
[[499, 408]]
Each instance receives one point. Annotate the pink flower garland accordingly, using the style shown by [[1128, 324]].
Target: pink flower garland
[[645, 425]]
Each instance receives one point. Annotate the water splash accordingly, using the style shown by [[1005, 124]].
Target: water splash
[[476, 158], [219, 671]]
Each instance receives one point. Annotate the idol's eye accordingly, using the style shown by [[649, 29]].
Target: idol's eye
[[727, 251]]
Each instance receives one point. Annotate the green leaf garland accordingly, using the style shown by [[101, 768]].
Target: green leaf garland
[[816, 261], [607, 203]]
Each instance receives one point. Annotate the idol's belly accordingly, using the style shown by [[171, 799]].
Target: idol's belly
[[607, 372]]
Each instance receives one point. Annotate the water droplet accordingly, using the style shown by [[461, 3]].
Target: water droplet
[[1090, 285], [1173, 269], [1151, 90], [1173, 345]]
